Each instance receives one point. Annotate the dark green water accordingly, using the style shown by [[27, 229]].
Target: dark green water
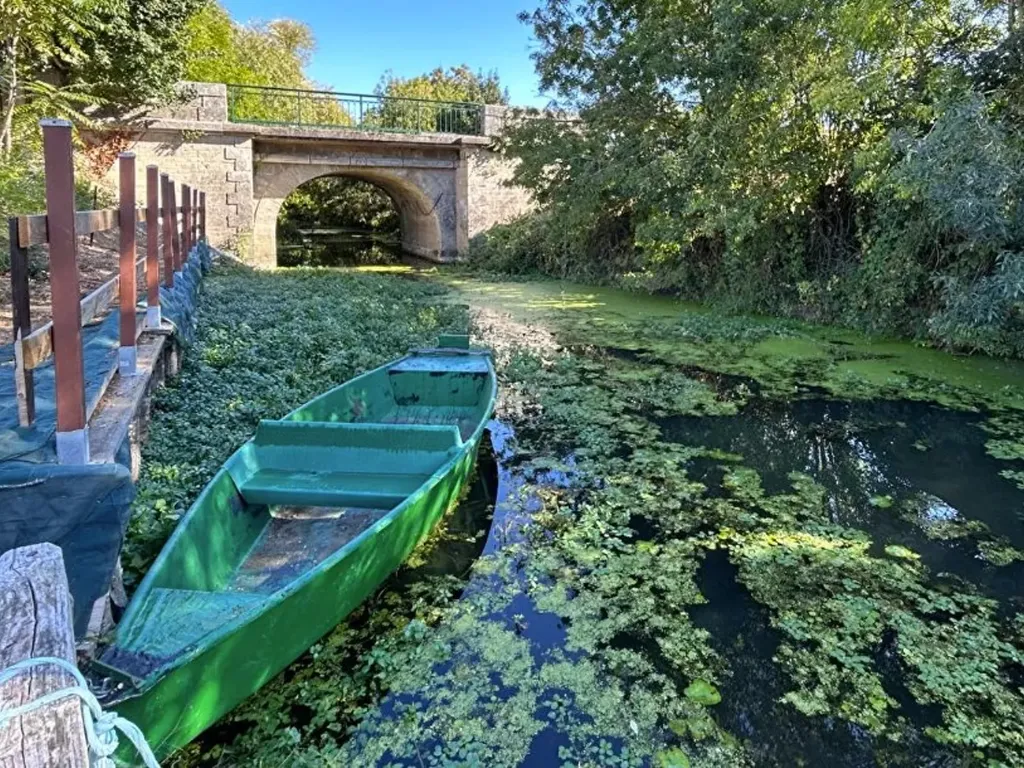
[[339, 248]]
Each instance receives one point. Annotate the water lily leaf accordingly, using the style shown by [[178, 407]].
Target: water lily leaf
[[703, 692], [672, 758], [881, 502]]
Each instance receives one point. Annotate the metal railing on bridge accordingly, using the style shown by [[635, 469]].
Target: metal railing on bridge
[[269, 105]]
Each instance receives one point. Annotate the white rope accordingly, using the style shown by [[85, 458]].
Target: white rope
[[100, 727]]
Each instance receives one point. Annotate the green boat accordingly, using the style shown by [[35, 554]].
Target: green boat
[[298, 527]]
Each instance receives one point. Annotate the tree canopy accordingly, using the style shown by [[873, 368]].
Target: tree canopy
[[802, 157]]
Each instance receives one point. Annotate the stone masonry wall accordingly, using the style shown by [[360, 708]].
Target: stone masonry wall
[[491, 199], [220, 165]]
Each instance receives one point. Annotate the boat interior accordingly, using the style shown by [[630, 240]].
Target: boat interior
[[300, 490]]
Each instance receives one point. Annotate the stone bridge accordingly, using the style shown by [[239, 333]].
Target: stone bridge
[[446, 187]]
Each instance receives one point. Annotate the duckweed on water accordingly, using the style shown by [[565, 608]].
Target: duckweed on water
[[577, 643]]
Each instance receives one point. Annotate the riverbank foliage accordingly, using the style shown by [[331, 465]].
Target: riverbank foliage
[[852, 163]]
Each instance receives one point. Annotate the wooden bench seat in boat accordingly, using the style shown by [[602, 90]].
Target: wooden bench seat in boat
[[338, 464]]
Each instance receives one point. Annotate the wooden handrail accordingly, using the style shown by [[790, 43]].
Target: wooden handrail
[[33, 229], [181, 226]]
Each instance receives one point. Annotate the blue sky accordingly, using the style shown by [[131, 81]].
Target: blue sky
[[357, 41]]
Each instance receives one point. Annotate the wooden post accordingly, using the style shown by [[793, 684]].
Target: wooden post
[[166, 218], [36, 620], [153, 318], [72, 432], [127, 360], [24, 381], [195, 216], [186, 222], [175, 232], [202, 216]]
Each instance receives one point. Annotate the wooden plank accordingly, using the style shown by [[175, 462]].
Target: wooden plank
[[36, 620], [186, 222], [202, 216], [127, 266], [96, 221], [37, 347], [165, 223], [152, 211], [32, 230], [67, 328], [175, 226], [98, 300], [23, 379]]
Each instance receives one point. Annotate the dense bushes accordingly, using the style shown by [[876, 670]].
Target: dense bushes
[[846, 162]]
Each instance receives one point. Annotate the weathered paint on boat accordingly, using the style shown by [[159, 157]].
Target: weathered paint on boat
[[243, 587]]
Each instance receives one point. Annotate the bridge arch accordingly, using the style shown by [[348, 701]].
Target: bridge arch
[[419, 198]]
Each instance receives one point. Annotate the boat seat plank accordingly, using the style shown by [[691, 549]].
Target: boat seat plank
[[478, 364], [374, 490], [330, 434]]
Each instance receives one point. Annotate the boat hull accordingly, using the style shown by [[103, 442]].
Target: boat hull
[[190, 697]]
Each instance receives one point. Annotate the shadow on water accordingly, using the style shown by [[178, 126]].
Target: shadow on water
[[896, 469], [774, 732], [342, 248]]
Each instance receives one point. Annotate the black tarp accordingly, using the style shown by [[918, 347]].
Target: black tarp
[[82, 509]]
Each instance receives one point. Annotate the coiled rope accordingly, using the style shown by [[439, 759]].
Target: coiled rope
[[100, 727]]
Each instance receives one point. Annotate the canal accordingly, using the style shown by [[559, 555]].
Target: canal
[[696, 539]]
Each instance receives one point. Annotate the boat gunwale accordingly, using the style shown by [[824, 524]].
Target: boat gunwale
[[141, 685]]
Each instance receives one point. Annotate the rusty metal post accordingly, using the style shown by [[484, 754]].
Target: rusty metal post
[[24, 379], [165, 227], [153, 318], [175, 232], [127, 358], [72, 431], [202, 216], [186, 222]]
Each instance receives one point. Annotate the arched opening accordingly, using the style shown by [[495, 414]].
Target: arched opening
[[424, 198], [354, 219], [337, 221]]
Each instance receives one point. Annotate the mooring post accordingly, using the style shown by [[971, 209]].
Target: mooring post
[[24, 380], [167, 206], [72, 432], [153, 318], [36, 620], [127, 359], [175, 232], [186, 222]]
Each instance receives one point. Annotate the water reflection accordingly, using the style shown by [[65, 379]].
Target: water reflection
[[339, 248], [899, 470]]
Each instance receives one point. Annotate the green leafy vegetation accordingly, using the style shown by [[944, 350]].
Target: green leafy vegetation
[[256, 358], [584, 630], [850, 163]]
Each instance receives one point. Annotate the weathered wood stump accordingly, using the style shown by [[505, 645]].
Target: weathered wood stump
[[36, 620]]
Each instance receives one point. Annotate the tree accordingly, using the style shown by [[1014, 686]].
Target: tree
[[274, 53], [739, 151], [37, 38], [442, 100]]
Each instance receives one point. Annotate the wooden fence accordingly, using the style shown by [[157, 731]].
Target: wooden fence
[[182, 227]]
